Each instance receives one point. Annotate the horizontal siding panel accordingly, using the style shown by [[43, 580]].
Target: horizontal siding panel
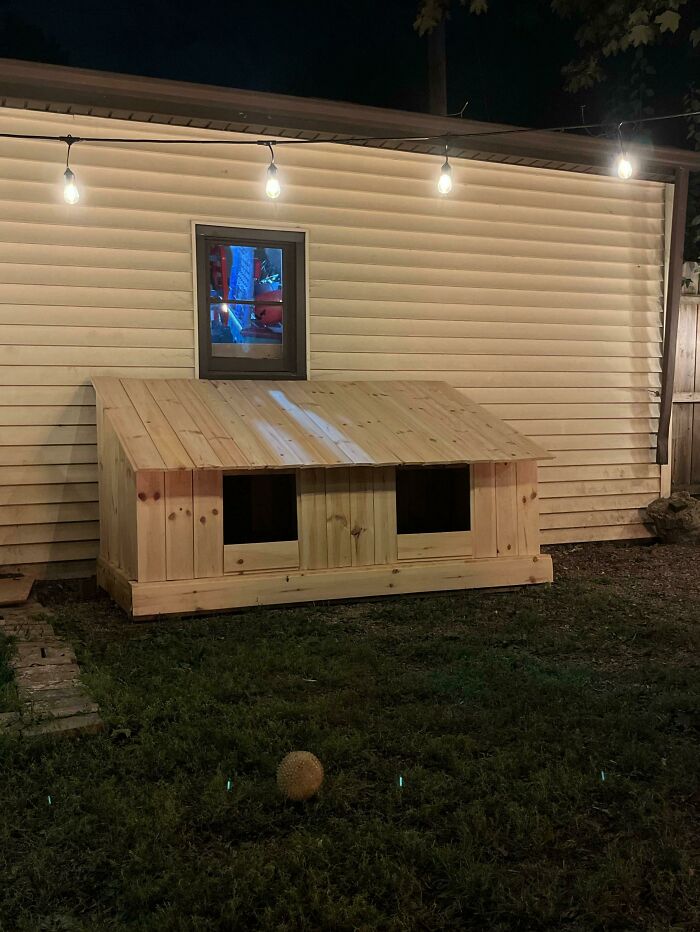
[[581, 535], [48, 552], [41, 475], [122, 356], [449, 362], [49, 414], [64, 492], [47, 435], [13, 534], [50, 335], [558, 474], [50, 513], [387, 255], [591, 503], [30, 456], [108, 277], [54, 373], [348, 290], [593, 519], [116, 317], [501, 347], [594, 487], [585, 442], [435, 327], [97, 258], [527, 314], [469, 380]]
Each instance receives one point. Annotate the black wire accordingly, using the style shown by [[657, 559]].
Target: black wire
[[347, 140]]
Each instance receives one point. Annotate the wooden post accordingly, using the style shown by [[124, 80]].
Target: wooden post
[[673, 297]]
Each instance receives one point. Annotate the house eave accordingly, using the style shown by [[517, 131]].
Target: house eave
[[54, 88]]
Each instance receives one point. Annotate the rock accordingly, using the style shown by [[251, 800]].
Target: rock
[[676, 519]]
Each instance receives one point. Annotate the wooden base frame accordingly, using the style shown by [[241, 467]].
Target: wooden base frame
[[146, 600]]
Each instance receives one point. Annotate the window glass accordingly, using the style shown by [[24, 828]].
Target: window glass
[[247, 313]]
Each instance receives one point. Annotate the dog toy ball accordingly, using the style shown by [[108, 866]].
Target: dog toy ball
[[300, 775]]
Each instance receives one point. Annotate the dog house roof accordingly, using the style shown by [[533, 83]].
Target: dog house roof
[[244, 425]]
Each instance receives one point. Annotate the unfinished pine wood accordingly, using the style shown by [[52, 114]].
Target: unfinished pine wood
[[309, 425], [483, 479], [528, 508], [385, 536], [312, 519], [448, 544], [179, 525], [207, 496], [269, 588], [275, 555], [338, 520], [362, 519], [150, 526], [506, 509]]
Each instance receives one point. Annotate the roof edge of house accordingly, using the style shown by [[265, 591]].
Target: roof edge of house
[[58, 88]]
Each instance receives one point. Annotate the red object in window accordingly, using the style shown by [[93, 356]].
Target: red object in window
[[266, 313]]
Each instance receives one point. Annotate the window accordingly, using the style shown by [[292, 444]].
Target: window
[[431, 500], [260, 508], [251, 297]]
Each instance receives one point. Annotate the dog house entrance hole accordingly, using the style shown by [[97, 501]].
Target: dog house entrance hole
[[432, 499], [260, 508]]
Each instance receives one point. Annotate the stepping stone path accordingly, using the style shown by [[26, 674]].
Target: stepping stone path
[[48, 678]]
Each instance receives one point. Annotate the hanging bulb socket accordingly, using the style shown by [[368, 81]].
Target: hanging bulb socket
[[623, 164], [273, 188], [445, 180], [71, 194]]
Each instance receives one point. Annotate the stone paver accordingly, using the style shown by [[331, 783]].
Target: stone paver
[[48, 678]]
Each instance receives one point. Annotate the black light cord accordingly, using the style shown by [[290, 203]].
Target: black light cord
[[350, 140]]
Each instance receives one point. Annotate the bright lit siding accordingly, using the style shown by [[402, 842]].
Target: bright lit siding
[[538, 292]]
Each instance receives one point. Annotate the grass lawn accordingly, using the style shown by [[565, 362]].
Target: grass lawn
[[8, 692], [548, 740]]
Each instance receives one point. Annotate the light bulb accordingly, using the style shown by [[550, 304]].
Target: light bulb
[[272, 186], [71, 195], [445, 179], [624, 167]]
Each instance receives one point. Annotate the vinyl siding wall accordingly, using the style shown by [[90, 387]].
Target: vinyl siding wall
[[537, 292]]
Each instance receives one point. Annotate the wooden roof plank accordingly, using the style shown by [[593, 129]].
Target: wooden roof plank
[[257, 453], [243, 425], [482, 446], [307, 395], [188, 392], [283, 453], [336, 408], [130, 429], [164, 437], [187, 430]]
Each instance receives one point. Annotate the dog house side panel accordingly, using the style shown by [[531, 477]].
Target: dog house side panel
[[117, 500], [150, 526], [208, 523], [179, 525]]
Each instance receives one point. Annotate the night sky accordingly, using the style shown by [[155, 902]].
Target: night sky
[[507, 63]]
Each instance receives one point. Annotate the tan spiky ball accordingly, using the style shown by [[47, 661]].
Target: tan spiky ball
[[300, 775]]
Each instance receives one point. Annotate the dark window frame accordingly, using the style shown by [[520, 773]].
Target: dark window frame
[[292, 365]]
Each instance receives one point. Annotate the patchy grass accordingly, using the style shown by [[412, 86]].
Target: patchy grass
[[9, 701], [548, 741]]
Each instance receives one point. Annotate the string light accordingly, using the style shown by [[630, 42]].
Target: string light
[[273, 189], [623, 164], [445, 180], [71, 194]]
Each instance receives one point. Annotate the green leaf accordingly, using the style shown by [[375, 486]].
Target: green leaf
[[641, 35], [478, 6], [668, 21]]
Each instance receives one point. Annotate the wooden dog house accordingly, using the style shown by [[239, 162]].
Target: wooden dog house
[[215, 495]]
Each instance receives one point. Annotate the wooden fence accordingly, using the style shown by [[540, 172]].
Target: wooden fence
[[686, 400]]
